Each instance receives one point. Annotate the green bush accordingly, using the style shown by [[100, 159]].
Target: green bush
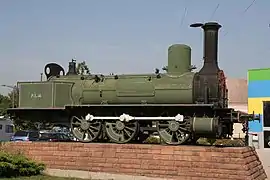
[[13, 165], [222, 142], [232, 143], [152, 140]]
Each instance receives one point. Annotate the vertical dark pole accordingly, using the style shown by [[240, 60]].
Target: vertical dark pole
[[13, 96], [246, 136]]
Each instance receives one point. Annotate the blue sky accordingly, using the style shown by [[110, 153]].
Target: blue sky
[[122, 36]]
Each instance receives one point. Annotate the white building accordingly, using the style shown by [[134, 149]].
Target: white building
[[6, 129], [238, 99]]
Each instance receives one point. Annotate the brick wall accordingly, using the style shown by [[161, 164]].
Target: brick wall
[[178, 162]]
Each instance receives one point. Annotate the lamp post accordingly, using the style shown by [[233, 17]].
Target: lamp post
[[13, 93]]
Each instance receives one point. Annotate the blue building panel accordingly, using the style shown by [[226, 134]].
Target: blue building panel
[[259, 88], [255, 126]]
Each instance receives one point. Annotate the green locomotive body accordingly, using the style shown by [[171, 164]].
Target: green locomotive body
[[128, 89], [172, 87], [183, 105]]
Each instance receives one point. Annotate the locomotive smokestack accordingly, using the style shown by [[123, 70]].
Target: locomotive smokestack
[[72, 68], [210, 43]]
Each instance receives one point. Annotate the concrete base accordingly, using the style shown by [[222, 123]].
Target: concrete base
[[95, 175], [137, 161]]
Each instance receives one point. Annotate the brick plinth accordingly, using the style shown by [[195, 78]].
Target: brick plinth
[[176, 162]]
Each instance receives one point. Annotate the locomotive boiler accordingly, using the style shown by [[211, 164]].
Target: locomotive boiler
[[180, 104]]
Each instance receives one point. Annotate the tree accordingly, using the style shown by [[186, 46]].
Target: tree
[[5, 103], [10, 101], [82, 68]]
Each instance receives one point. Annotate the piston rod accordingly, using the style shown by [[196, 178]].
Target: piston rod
[[126, 117]]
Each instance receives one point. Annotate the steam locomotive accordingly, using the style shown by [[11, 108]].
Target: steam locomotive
[[180, 105]]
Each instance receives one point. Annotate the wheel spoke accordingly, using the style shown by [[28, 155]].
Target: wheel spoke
[[182, 129], [122, 137], [76, 124], [80, 120], [178, 136], [93, 127], [95, 123], [89, 134], [84, 136], [127, 132], [133, 130], [171, 138]]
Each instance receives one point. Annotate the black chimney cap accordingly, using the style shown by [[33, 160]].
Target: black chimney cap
[[196, 25], [208, 24]]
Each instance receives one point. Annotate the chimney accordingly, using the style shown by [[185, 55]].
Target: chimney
[[210, 44], [72, 68]]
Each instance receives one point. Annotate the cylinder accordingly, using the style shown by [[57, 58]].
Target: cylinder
[[211, 43], [179, 58], [207, 127]]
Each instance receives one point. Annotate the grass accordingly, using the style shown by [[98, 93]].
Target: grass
[[41, 178]]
